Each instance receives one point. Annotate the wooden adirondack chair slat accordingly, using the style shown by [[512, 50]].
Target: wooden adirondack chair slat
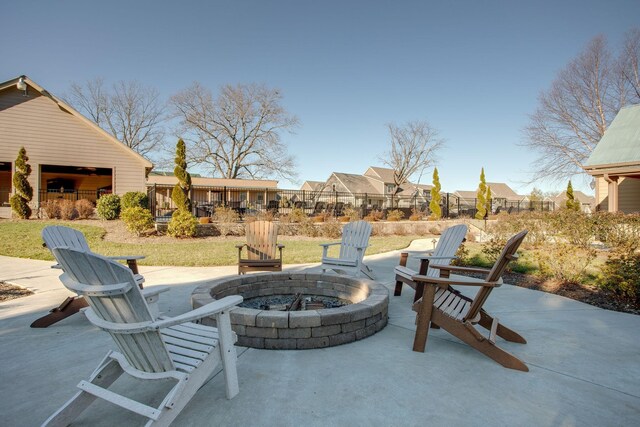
[[184, 352], [443, 254], [457, 314], [355, 239]]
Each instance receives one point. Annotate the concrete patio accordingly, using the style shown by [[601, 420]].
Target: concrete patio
[[584, 365]]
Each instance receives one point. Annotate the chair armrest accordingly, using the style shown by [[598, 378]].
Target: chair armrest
[[415, 253], [125, 257], [329, 244], [460, 280], [462, 269], [204, 311], [150, 292], [429, 257]]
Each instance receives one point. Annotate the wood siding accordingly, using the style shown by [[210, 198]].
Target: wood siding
[[629, 195], [53, 136]]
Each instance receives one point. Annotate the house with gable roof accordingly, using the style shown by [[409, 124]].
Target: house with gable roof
[[70, 156], [615, 164], [373, 189]]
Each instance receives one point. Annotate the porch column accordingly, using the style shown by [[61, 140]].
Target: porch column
[[612, 192]]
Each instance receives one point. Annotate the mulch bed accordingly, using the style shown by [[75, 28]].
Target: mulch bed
[[583, 293], [9, 292]]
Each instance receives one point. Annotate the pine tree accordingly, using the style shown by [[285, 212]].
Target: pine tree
[[23, 190], [436, 198], [481, 197], [180, 193], [572, 203]]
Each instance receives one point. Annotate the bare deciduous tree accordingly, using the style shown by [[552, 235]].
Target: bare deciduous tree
[[237, 134], [413, 149], [131, 112], [574, 113], [629, 66]]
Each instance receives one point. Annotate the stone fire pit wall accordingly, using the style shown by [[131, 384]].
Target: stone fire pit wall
[[287, 330]]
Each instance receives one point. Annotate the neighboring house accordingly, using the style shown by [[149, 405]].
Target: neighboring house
[[237, 193], [70, 156], [312, 185], [375, 189], [587, 203], [615, 164], [503, 198]]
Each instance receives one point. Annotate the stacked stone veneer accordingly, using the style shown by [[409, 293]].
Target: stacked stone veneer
[[300, 329]]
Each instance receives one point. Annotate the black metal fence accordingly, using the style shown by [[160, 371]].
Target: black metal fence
[[248, 201]]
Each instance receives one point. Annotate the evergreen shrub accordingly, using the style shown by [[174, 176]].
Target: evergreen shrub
[[182, 224], [137, 219], [133, 199], [108, 207]]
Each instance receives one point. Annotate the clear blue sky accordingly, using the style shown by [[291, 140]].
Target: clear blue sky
[[473, 69]]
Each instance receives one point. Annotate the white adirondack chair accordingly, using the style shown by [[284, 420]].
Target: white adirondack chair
[[443, 253], [355, 239], [59, 236], [149, 348]]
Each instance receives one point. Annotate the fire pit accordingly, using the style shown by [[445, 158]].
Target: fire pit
[[288, 313]]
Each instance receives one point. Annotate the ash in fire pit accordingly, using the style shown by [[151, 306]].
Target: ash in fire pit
[[297, 302]]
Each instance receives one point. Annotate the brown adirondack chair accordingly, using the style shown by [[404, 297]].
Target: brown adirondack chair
[[442, 306], [262, 238]]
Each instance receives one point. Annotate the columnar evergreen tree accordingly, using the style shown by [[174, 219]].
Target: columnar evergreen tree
[[23, 190], [436, 198], [180, 193], [572, 203], [481, 197], [488, 197]]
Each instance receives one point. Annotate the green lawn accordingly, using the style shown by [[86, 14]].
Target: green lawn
[[22, 239]]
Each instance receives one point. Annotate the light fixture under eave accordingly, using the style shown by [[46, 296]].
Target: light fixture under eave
[[21, 85]]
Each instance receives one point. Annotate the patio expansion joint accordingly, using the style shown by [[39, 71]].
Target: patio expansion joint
[[583, 380]]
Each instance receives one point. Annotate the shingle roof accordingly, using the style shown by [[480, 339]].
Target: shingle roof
[[502, 190], [356, 183], [621, 141], [385, 174]]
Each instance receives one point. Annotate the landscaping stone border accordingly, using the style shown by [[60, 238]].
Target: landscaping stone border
[[290, 330]]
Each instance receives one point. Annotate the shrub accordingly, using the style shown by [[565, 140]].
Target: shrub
[[307, 228], [297, 215], [352, 213], [395, 215], [374, 216], [415, 215], [493, 248], [462, 256], [331, 229], [225, 217], [108, 207], [621, 275], [226, 214], [23, 191], [52, 209], [182, 224], [564, 261], [133, 199], [68, 210], [137, 219], [85, 208]]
